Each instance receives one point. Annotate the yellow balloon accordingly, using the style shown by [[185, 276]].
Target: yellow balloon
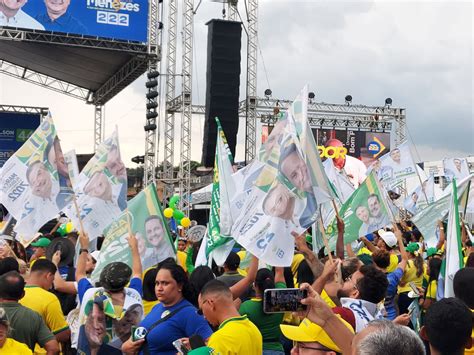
[[69, 227], [185, 222], [168, 212]]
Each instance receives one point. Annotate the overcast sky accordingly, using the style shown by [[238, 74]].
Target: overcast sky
[[418, 53]]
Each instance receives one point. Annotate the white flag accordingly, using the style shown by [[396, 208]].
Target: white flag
[[395, 166], [455, 168]]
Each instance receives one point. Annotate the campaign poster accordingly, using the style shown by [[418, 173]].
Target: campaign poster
[[115, 19], [455, 168], [150, 228], [15, 129]]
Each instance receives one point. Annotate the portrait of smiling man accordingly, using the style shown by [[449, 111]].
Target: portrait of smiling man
[[56, 17], [12, 15]]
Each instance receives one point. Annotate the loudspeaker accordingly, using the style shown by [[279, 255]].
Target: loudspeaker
[[222, 85]]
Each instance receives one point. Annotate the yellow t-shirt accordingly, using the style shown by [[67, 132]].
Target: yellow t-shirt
[[237, 335], [431, 290], [181, 259], [13, 347], [410, 276], [148, 305], [393, 263]]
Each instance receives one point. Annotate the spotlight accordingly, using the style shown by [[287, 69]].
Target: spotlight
[[348, 99], [311, 95], [268, 93], [388, 101], [153, 74], [150, 127]]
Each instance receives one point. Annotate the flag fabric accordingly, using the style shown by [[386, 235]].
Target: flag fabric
[[101, 189], [34, 182], [420, 197], [149, 226], [339, 180], [425, 220], [457, 168], [223, 191], [286, 193], [366, 211], [73, 168], [395, 166], [453, 260]]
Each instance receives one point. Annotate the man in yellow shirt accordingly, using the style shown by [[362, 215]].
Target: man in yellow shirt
[[236, 334], [39, 299]]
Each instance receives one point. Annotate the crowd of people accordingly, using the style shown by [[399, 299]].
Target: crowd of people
[[379, 299]]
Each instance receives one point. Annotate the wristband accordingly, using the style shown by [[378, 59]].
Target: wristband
[[83, 251]]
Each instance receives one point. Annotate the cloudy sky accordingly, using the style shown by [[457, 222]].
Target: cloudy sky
[[419, 53]]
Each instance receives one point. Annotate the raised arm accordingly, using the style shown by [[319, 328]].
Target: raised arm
[[136, 261], [60, 284], [314, 263], [328, 273], [442, 236], [279, 275], [402, 264], [340, 238], [240, 287], [82, 260], [368, 244]]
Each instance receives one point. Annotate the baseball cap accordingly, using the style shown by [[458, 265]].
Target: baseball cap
[[308, 331], [203, 350], [115, 276], [95, 255], [42, 242], [431, 251], [412, 247], [388, 237]]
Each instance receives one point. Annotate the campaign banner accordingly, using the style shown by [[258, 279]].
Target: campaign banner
[[115, 19], [150, 228], [366, 211], [34, 182], [101, 189], [70, 158], [420, 197], [15, 129], [285, 194], [395, 166], [455, 168]]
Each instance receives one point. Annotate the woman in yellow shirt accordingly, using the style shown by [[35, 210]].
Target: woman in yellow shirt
[[433, 270], [413, 273]]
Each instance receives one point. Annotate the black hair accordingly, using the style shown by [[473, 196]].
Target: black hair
[[373, 286], [200, 276], [381, 258], [351, 265], [288, 275], [417, 235], [9, 264], [179, 275], [448, 325], [304, 274], [264, 280], [44, 265], [216, 286], [12, 286], [463, 285], [149, 285], [233, 261], [470, 260]]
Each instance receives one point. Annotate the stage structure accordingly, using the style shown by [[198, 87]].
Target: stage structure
[[110, 45]]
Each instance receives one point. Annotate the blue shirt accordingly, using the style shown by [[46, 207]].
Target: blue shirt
[[65, 23], [389, 303], [183, 324], [84, 284]]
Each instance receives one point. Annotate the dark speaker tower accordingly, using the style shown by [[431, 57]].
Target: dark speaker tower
[[223, 82]]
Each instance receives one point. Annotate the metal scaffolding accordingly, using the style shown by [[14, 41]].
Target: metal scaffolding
[[186, 94], [99, 125]]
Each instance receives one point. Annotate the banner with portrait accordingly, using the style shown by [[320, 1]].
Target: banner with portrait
[[34, 182], [150, 228], [420, 197], [366, 211], [455, 168], [286, 193], [395, 166], [101, 189], [70, 158]]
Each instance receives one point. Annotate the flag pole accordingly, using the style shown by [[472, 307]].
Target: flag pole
[[325, 240], [421, 184], [129, 224], [74, 199]]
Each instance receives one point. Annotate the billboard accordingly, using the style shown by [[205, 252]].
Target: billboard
[[115, 19], [15, 129], [366, 146]]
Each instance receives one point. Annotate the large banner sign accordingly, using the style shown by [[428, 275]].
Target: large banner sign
[[455, 168], [34, 182], [150, 228], [115, 19], [366, 211], [15, 129], [101, 189]]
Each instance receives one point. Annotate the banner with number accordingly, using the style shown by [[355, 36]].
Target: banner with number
[[101, 189], [455, 168], [34, 182], [366, 211], [150, 228]]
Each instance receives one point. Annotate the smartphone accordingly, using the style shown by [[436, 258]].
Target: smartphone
[[178, 344], [138, 333], [281, 300], [414, 288]]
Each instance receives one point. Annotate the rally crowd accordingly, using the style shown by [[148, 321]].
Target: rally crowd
[[378, 299]]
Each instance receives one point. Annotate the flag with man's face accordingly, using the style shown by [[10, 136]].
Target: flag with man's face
[[34, 182], [101, 189], [395, 166]]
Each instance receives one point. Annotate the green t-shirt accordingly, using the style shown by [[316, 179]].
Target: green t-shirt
[[27, 326], [268, 324]]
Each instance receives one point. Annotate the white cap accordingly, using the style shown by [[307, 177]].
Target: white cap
[[95, 255], [388, 237]]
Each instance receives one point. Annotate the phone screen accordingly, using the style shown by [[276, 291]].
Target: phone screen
[[178, 344], [280, 300], [414, 288]]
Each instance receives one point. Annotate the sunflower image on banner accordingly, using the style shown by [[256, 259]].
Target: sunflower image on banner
[[34, 182]]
